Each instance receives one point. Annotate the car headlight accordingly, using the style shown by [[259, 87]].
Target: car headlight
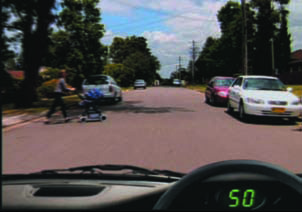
[[297, 102], [222, 94], [255, 101]]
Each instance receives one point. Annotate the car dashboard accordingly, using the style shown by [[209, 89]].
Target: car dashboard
[[226, 186]]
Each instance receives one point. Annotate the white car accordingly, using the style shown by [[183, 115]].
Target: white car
[[263, 96], [177, 82], [140, 84], [105, 84]]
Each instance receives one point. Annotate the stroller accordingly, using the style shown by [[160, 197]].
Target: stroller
[[89, 102]]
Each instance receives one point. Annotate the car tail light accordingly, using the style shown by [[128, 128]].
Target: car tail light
[[110, 88]]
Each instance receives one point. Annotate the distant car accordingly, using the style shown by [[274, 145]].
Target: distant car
[[106, 85], [217, 90], [140, 84], [176, 82], [263, 96]]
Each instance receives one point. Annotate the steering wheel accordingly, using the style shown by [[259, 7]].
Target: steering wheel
[[226, 167]]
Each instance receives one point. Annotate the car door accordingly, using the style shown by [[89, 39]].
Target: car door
[[116, 87], [209, 90], [235, 93]]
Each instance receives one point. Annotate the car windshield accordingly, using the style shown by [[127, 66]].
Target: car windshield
[[223, 82], [96, 80], [150, 68], [263, 84]]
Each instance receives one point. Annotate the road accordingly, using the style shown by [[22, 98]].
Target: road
[[163, 128]]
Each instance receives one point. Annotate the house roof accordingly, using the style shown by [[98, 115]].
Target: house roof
[[16, 74], [297, 55]]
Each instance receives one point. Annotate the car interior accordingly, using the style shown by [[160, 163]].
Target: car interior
[[234, 185]]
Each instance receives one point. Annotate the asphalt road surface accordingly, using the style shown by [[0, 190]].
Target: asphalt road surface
[[163, 128]]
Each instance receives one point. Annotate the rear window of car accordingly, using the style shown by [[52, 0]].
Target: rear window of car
[[223, 82], [96, 80]]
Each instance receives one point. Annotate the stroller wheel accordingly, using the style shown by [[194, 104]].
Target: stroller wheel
[[82, 119], [103, 117]]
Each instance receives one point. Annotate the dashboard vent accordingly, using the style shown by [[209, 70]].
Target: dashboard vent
[[68, 191]]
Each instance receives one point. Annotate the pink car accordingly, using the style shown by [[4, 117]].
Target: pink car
[[218, 90]]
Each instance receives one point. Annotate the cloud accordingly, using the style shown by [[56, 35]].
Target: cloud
[[295, 21]]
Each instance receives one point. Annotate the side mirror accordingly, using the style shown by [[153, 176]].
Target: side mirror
[[237, 87], [289, 89]]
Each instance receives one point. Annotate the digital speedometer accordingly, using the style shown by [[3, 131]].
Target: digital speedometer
[[241, 198]]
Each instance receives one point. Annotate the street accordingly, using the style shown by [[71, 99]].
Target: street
[[162, 128]]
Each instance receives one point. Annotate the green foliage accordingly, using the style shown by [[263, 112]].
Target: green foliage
[[10, 89], [123, 75], [134, 54], [77, 45], [32, 21], [50, 73], [121, 48], [223, 55], [47, 88]]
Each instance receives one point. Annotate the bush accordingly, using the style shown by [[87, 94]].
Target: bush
[[10, 92], [50, 73], [46, 90]]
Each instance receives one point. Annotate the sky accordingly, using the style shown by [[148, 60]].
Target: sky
[[170, 26]]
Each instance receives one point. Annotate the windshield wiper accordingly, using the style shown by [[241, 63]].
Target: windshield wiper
[[101, 169]]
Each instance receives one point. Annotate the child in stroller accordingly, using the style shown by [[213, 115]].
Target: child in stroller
[[90, 101]]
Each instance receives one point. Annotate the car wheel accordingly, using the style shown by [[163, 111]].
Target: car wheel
[[292, 120], [206, 99], [242, 114], [229, 107], [212, 100], [120, 99]]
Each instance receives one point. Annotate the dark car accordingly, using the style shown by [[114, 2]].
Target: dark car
[[218, 90]]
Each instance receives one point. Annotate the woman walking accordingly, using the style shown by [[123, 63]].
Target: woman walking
[[59, 91]]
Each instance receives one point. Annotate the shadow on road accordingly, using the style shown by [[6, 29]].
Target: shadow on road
[[263, 120], [129, 107], [133, 107], [218, 105]]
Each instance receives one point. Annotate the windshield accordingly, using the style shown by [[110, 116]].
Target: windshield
[[264, 84], [146, 65], [223, 82], [97, 80]]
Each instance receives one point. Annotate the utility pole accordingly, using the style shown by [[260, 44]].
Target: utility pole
[[194, 52], [244, 39], [273, 58], [179, 69]]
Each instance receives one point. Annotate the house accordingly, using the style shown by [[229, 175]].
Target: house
[[294, 76], [16, 74], [295, 64], [19, 74]]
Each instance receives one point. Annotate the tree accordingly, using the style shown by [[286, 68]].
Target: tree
[[123, 75], [133, 53], [144, 66], [33, 18], [283, 40], [121, 48], [208, 63], [77, 45], [266, 20]]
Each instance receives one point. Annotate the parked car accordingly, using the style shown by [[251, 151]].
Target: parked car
[[217, 90], [263, 96], [176, 82], [106, 85], [140, 83]]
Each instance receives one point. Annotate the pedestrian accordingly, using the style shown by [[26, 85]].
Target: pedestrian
[[60, 89]]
